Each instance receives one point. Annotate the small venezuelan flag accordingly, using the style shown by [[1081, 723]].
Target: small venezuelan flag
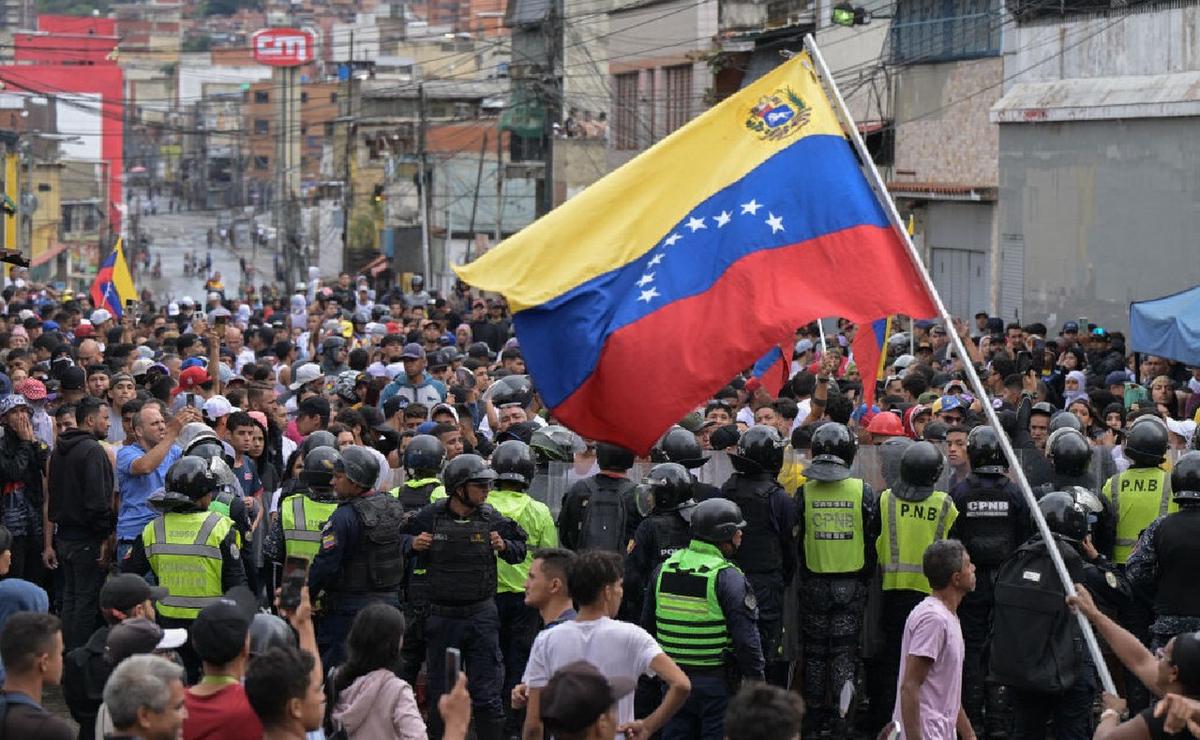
[[113, 284], [641, 296]]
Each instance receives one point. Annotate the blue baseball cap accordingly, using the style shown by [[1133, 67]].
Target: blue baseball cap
[[193, 362]]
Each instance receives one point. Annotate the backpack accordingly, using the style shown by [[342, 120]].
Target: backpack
[[604, 519], [1033, 645], [84, 675]]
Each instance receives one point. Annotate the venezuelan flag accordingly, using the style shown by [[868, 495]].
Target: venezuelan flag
[[113, 284], [644, 294], [870, 351], [774, 368]]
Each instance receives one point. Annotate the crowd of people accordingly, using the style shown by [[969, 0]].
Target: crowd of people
[[346, 513]]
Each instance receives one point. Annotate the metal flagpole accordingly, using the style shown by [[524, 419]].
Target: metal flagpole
[[885, 198]]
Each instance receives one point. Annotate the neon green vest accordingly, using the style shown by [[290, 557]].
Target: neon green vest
[[908, 528], [302, 520], [438, 492], [1138, 496], [184, 551], [689, 621], [833, 526], [537, 521]]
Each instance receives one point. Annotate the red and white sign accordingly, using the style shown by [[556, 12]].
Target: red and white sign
[[284, 47]]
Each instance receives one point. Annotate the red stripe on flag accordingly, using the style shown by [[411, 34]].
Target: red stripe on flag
[[860, 273]]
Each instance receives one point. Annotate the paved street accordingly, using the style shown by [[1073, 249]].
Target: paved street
[[172, 235]]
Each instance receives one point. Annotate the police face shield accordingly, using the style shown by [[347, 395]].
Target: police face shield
[[644, 495]]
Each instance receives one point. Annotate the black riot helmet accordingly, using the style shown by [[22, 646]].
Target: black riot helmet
[[1069, 452], [613, 457], [1065, 420], [358, 465], [206, 448], [513, 461], [920, 467], [1185, 478], [833, 448], [319, 438], [984, 452], [1146, 442], [319, 465], [189, 476], [669, 486], [511, 390], [759, 450], [678, 445], [1064, 516], [716, 520], [466, 469], [424, 453]]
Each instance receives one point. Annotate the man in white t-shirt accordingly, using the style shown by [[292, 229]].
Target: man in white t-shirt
[[616, 649]]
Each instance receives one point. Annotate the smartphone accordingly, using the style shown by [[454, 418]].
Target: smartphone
[[295, 575], [219, 323], [453, 665], [131, 305], [189, 399]]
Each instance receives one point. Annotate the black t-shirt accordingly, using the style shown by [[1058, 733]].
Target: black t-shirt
[[1155, 724]]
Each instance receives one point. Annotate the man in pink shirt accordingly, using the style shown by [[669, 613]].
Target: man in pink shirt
[[928, 705]]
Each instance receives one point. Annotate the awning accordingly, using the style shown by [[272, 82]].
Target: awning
[[942, 191], [1100, 98], [47, 255], [1168, 327]]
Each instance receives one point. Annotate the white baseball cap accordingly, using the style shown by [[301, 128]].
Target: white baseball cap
[[218, 406], [99, 316], [305, 374]]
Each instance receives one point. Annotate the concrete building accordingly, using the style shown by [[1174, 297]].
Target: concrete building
[[319, 106], [1098, 155]]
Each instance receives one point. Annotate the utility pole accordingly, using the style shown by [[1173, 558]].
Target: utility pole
[[422, 183], [552, 97], [500, 183], [475, 200], [347, 173]]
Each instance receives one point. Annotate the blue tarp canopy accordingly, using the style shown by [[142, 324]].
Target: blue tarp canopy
[[1168, 326]]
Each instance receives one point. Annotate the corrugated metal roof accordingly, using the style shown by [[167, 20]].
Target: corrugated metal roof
[[1101, 98], [526, 12]]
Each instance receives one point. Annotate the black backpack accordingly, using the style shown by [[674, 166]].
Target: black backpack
[[604, 519], [1033, 645]]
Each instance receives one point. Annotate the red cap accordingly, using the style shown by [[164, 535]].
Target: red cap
[[190, 378], [32, 388], [886, 424], [84, 330], [394, 327]]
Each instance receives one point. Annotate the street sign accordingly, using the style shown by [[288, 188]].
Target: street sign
[[284, 47]]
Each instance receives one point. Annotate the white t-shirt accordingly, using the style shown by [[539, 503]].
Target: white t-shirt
[[615, 648]]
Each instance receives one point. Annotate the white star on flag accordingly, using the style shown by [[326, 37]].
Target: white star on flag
[[722, 218], [670, 240], [655, 260], [695, 224], [751, 208], [775, 222], [646, 280], [648, 294]]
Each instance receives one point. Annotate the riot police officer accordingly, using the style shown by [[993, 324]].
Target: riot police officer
[[679, 445], [456, 540], [665, 496], [303, 514], [912, 515], [423, 461], [1142, 493], [554, 449], [1164, 562], [709, 636], [993, 522], [360, 559], [839, 521], [191, 550], [1137, 497], [768, 555], [512, 461], [1071, 457]]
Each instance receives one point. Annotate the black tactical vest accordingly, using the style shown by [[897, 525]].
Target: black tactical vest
[[415, 499], [1177, 545], [760, 551], [462, 564], [377, 564], [671, 533], [986, 521]]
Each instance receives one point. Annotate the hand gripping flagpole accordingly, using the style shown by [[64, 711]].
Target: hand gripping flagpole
[[889, 205]]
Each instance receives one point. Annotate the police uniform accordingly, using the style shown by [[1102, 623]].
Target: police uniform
[[461, 570], [360, 561], [993, 521], [1137, 496], [414, 495], [907, 527], [658, 537], [702, 610], [839, 522], [1164, 564], [767, 555]]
